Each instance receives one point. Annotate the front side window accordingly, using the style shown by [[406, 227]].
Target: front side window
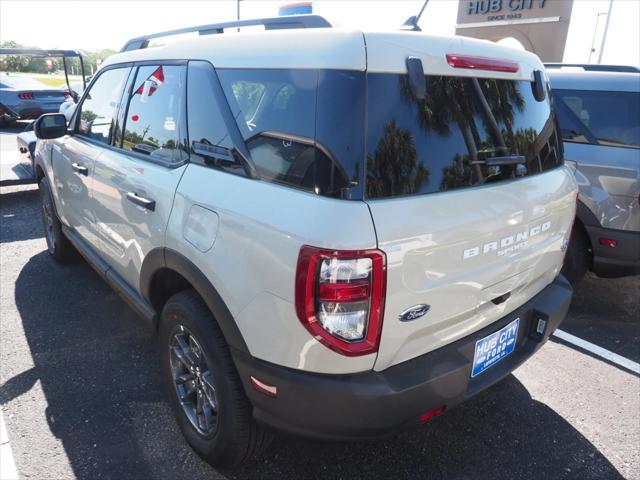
[[599, 117], [155, 112], [99, 108], [467, 132], [292, 138]]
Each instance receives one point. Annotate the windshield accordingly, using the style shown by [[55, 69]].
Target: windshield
[[467, 132]]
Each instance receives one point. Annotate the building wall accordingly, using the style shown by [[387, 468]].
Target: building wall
[[541, 26]]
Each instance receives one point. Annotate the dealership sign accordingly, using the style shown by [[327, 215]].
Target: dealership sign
[[540, 26], [475, 13], [476, 7]]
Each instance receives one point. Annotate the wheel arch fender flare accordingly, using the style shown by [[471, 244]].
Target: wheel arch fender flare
[[38, 162], [585, 215], [166, 258]]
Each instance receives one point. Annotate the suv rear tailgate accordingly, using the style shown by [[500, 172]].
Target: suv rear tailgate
[[457, 251]]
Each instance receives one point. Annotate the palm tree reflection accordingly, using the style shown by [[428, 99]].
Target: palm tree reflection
[[392, 169]]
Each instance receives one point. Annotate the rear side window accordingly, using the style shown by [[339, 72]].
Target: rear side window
[[467, 132], [209, 136], [99, 108], [155, 112], [599, 117], [291, 139]]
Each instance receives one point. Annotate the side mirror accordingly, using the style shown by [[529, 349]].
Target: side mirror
[[50, 125], [417, 80], [538, 86]]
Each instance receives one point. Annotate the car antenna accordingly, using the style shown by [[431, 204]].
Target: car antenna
[[412, 22]]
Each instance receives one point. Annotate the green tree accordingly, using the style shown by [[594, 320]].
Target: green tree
[[33, 64], [393, 168]]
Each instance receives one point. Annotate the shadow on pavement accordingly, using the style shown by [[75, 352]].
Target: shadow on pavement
[[20, 216], [98, 368], [15, 128], [613, 324]]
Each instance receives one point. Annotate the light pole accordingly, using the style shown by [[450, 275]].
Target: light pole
[[606, 30], [595, 36], [238, 12]]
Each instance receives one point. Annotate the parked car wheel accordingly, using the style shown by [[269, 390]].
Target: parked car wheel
[[58, 244], [205, 391], [578, 259]]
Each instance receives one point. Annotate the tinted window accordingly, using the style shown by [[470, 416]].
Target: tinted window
[[248, 95], [209, 137], [285, 130], [605, 118], [156, 109], [99, 108], [467, 132]]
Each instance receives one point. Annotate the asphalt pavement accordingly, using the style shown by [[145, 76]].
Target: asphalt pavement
[[82, 397]]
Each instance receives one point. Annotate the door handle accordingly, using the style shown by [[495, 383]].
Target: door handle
[[141, 201], [81, 169]]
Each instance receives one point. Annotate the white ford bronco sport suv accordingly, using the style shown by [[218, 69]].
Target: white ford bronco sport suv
[[337, 234]]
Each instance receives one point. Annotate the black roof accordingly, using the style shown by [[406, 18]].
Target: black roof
[[593, 67]]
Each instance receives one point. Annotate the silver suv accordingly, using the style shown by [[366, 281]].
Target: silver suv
[[599, 115], [337, 233]]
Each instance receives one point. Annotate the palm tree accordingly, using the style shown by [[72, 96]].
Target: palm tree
[[392, 169], [503, 98], [447, 102]]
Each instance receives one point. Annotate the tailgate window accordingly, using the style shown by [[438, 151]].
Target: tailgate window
[[467, 132]]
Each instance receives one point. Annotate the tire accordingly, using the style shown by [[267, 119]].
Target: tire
[[578, 258], [188, 330], [58, 244]]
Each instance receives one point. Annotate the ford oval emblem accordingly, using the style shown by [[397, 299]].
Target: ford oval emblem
[[414, 312]]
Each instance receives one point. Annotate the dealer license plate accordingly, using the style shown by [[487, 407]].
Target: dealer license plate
[[493, 348]]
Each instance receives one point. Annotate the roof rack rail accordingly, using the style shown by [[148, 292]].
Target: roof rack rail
[[275, 23], [590, 67]]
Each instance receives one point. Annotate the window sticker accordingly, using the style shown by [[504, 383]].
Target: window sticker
[[151, 84]]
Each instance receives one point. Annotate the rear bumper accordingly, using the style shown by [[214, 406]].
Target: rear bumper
[[34, 113], [372, 404], [623, 259]]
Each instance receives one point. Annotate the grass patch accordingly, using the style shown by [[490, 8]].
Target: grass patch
[[55, 82]]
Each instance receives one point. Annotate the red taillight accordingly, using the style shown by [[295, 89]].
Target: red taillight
[[340, 297], [482, 63], [338, 292], [425, 417], [608, 242], [25, 95]]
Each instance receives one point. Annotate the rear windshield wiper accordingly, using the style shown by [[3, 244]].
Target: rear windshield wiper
[[504, 160]]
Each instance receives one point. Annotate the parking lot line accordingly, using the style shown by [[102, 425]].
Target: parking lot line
[[7, 465], [599, 351]]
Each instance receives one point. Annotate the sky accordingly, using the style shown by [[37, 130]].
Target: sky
[[97, 24]]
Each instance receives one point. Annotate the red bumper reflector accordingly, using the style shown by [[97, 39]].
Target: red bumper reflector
[[608, 242], [482, 63], [269, 390], [425, 417]]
